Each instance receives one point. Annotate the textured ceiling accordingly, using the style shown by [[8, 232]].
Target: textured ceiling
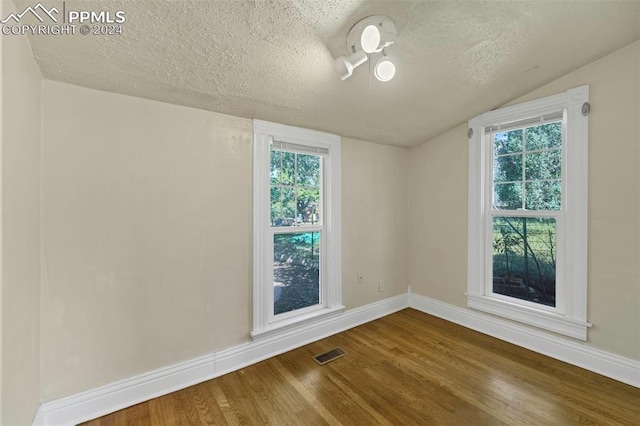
[[273, 59]]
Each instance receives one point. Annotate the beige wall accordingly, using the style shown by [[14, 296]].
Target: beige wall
[[438, 217], [147, 236], [438, 204], [20, 85], [147, 230], [374, 221]]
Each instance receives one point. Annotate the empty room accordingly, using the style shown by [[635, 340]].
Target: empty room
[[319, 212]]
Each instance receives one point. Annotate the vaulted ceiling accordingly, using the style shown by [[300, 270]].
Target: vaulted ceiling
[[273, 59]]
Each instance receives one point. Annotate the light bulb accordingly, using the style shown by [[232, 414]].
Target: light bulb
[[384, 70], [370, 39]]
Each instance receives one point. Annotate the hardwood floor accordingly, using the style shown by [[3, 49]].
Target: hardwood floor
[[404, 369]]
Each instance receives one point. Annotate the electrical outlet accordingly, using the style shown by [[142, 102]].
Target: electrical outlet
[[381, 286], [360, 277]]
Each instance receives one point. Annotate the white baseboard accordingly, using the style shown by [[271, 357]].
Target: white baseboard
[[616, 367], [106, 399]]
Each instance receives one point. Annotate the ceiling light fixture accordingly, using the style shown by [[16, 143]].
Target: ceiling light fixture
[[369, 36]]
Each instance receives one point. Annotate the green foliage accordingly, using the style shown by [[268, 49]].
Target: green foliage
[[296, 270], [297, 248], [524, 259], [528, 178], [295, 188], [544, 136]]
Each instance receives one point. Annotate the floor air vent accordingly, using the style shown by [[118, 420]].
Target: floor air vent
[[326, 357]]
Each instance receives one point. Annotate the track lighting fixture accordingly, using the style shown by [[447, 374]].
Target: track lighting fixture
[[370, 36]]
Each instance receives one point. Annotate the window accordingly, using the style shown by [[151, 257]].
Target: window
[[527, 248], [297, 263]]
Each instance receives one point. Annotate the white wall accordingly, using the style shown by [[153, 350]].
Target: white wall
[[147, 233], [20, 97], [438, 204]]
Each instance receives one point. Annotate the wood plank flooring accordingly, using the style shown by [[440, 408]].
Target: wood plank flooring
[[408, 368]]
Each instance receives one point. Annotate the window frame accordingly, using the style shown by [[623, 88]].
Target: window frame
[[264, 320], [569, 317]]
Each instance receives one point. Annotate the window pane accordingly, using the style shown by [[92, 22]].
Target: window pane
[[283, 206], [288, 174], [275, 167], [540, 188], [507, 168], [507, 196], [308, 170], [544, 136], [276, 205], [524, 258], [544, 195], [296, 271], [288, 207], [308, 206], [543, 165], [507, 142], [295, 189]]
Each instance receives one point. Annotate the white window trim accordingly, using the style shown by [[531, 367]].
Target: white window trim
[[570, 316], [263, 323]]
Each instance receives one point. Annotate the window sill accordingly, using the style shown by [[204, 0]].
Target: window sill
[[536, 317], [297, 321]]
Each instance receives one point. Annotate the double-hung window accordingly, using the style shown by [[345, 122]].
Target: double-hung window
[[527, 248], [297, 265]]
